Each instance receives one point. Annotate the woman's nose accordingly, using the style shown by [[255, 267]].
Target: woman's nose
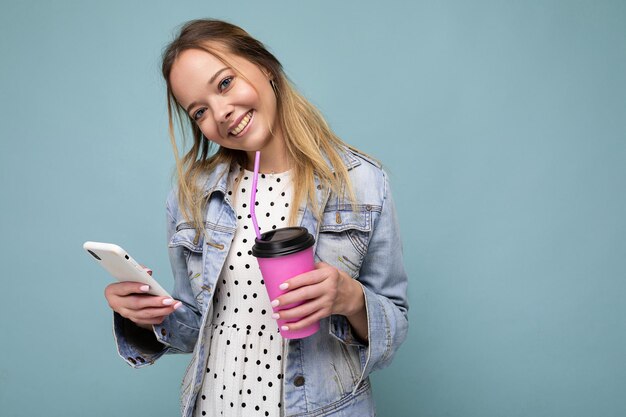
[[222, 111]]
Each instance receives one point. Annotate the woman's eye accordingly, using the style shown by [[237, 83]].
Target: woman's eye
[[197, 115], [225, 83]]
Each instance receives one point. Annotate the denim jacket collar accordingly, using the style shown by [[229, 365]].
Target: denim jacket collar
[[217, 180]]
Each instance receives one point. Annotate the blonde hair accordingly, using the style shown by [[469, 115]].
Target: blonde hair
[[309, 141]]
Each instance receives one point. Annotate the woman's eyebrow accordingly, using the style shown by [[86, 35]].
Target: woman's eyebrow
[[208, 83], [216, 74]]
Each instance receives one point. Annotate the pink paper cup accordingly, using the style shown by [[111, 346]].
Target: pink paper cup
[[283, 254]]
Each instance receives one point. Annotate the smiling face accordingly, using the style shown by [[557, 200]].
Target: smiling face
[[232, 111]]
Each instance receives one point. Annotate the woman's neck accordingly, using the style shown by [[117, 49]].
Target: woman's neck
[[273, 157]]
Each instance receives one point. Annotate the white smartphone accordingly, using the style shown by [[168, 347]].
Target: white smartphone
[[121, 266]]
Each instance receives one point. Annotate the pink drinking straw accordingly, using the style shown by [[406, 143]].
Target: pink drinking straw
[[255, 178]]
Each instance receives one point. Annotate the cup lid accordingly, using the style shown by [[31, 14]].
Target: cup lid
[[281, 242]]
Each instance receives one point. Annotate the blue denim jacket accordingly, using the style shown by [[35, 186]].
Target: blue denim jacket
[[326, 374]]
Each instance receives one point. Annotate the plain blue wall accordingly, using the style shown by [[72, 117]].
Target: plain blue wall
[[502, 123]]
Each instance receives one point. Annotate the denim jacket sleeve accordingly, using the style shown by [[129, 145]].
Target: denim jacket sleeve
[[384, 282], [178, 333]]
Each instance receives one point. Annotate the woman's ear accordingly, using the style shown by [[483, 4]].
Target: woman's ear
[[270, 77]]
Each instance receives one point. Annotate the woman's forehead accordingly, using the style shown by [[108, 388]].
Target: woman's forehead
[[201, 59]]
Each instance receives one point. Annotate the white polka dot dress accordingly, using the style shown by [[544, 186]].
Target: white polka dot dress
[[244, 367]]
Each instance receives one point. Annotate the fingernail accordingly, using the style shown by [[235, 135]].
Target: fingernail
[[178, 304], [275, 303], [283, 286], [284, 328], [168, 302], [145, 288], [275, 316]]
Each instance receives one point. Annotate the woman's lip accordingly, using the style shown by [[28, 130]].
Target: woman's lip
[[236, 122], [245, 129]]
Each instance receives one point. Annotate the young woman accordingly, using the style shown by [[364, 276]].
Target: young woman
[[235, 99]]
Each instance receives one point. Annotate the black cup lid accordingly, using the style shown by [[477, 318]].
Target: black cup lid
[[281, 242]]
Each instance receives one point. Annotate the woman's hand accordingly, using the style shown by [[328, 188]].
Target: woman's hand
[[323, 291], [130, 300]]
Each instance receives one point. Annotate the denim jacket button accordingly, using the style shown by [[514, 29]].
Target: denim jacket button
[[298, 381], [163, 331]]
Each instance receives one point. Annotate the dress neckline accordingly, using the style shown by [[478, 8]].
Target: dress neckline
[[264, 175]]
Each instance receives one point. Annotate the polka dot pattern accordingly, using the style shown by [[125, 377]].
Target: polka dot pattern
[[244, 368]]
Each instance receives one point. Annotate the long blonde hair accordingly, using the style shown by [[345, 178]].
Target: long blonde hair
[[309, 140]]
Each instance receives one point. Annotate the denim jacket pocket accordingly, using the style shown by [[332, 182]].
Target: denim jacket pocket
[[187, 240], [344, 237]]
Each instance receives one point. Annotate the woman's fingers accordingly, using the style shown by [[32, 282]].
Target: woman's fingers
[[121, 289], [146, 315], [151, 313], [309, 308], [319, 283], [306, 321], [319, 274], [312, 295], [141, 302], [130, 300], [133, 295]]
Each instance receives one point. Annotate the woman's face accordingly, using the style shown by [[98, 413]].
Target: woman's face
[[231, 111]]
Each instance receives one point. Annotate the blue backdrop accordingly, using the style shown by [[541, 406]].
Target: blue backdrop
[[503, 126]]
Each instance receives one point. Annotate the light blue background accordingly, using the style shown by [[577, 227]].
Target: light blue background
[[502, 123]]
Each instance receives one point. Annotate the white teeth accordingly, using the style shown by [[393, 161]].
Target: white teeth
[[242, 125]]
